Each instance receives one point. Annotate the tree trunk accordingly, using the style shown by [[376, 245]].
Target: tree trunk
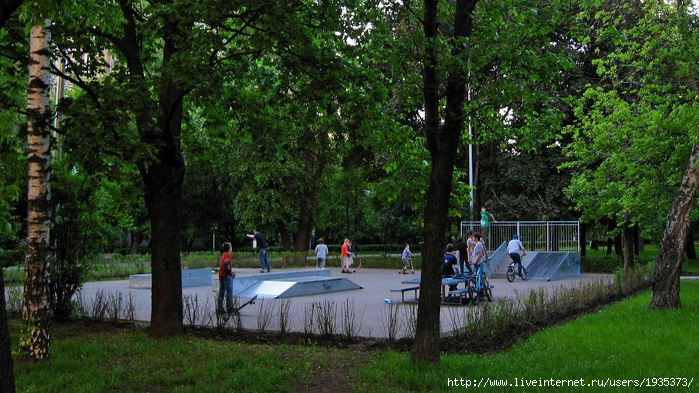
[[163, 199], [7, 376], [583, 239], [163, 179], [689, 243], [441, 144], [666, 276], [309, 205], [618, 246], [284, 234], [306, 220], [627, 238], [35, 310], [136, 240]]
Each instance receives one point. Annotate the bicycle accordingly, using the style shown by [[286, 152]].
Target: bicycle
[[511, 274], [478, 285]]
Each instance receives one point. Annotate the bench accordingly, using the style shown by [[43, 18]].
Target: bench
[[461, 292], [404, 289]]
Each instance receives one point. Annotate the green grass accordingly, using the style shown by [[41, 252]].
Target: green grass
[[626, 340], [691, 266], [14, 275], [130, 361]]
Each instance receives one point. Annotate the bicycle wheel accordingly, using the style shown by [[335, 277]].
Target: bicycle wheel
[[487, 291], [471, 290], [524, 274], [511, 274], [473, 294]]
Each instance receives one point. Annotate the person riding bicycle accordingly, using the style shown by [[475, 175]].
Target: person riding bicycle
[[513, 248]]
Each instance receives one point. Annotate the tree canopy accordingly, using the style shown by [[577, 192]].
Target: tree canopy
[[350, 119]]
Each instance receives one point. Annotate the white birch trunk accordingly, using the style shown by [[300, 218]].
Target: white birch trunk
[[35, 337]]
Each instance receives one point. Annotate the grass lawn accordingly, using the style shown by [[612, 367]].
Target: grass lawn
[[622, 342], [625, 341]]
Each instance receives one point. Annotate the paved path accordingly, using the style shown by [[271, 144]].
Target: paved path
[[370, 312]]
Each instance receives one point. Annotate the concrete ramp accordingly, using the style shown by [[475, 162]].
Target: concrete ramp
[[548, 266], [299, 286], [496, 256], [288, 283]]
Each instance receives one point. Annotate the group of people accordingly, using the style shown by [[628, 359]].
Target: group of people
[[466, 255], [472, 252], [346, 255]]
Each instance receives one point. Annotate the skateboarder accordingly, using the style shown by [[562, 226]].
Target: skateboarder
[[225, 279]]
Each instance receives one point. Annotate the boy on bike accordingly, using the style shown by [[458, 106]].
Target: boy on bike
[[513, 248]]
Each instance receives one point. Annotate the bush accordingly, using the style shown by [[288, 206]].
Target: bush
[[492, 326], [600, 264], [14, 256]]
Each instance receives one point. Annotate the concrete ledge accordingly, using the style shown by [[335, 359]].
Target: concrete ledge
[[190, 278], [196, 277], [140, 281]]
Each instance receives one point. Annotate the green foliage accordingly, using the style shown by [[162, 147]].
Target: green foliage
[[634, 130], [12, 256], [85, 203], [13, 161], [691, 266], [116, 266]]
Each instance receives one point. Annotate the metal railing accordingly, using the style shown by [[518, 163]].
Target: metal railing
[[535, 235]]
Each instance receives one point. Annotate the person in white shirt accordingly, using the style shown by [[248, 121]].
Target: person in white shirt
[[513, 248], [321, 253]]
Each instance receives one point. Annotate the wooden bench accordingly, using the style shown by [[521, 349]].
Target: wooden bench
[[404, 289], [461, 292]]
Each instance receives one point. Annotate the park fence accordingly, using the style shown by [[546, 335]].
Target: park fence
[[535, 235]]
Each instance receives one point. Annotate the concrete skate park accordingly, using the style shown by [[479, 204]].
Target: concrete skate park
[[365, 297]]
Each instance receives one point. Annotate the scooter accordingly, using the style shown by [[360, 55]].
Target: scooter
[[403, 271]]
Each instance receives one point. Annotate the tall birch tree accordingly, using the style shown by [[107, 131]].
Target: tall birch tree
[[36, 334]]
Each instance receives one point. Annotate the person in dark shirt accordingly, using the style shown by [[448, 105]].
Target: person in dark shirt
[[264, 249], [451, 264], [462, 255]]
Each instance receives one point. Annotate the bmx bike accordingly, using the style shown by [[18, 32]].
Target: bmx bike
[[478, 286], [512, 273]]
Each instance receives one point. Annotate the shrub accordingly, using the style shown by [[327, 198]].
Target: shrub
[[501, 324]]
